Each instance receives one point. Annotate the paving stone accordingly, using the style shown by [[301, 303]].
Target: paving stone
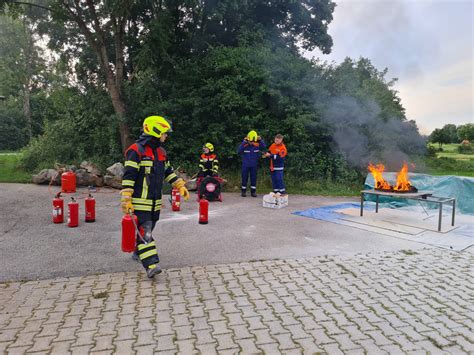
[[207, 349], [396, 304], [86, 349], [145, 349], [166, 342], [225, 342]]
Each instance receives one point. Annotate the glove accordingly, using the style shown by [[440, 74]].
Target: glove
[[183, 191], [126, 200]]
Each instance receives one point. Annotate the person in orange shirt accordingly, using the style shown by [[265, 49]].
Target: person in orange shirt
[[277, 153]]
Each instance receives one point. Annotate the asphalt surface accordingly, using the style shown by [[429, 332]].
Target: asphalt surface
[[239, 229]]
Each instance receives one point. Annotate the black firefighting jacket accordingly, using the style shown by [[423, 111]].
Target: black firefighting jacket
[[146, 167], [209, 163]]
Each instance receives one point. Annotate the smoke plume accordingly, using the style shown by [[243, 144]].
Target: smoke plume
[[362, 136]]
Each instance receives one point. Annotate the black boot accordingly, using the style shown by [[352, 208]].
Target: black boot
[[244, 193], [135, 255], [153, 270], [253, 192]]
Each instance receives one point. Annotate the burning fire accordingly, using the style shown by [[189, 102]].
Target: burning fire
[[380, 183], [402, 185], [402, 179]]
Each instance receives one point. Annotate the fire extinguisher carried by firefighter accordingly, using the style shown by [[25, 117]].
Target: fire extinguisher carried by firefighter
[[90, 209], [58, 209], [175, 200], [203, 211], [129, 232], [73, 213]]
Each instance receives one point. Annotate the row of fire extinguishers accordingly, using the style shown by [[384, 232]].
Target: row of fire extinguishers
[[130, 228], [73, 210]]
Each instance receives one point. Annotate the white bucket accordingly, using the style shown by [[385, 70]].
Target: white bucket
[[275, 200]]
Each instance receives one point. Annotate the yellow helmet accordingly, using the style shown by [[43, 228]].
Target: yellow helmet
[[209, 146], [252, 136], [155, 126]]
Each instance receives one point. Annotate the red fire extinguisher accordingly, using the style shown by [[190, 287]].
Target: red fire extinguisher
[[90, 209], [68, 182], [58, 209], [129, 233], [73, 213], [203, 211], [175, 200]]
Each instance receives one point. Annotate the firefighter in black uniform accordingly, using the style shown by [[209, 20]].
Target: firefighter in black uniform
[[146, 167], [208, 164]]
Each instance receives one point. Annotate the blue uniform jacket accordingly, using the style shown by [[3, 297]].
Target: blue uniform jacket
[[251, 152]]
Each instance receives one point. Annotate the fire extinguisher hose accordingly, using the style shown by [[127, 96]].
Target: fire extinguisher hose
[[136, 227]]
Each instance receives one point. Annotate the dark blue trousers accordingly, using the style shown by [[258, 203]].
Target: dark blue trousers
[[147, 221], [277, 181], [252, 171]]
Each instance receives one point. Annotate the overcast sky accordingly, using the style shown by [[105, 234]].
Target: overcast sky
[[427, 44]]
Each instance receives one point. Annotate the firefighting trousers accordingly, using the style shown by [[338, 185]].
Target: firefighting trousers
[[146, 249], [277, 181], [252, 171]]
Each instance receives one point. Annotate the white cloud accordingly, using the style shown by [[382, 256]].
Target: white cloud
[[444, 97]]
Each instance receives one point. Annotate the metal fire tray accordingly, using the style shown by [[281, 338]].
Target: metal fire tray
[[421, 196]]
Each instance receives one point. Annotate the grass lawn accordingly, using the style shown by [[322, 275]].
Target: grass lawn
[[10, 170], [450, 162], [293, 185], [451, 151]]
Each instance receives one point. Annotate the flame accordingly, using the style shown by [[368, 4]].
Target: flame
[[403, 184], [380, 182]]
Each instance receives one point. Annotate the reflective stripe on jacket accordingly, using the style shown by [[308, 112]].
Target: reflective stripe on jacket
[[251, 152], [145, 170], [209, 162]]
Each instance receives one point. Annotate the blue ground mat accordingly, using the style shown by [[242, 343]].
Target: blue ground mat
[[328, 213], [458, 239]]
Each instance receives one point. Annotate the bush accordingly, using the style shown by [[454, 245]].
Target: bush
[[449, 166], [431, 151], [65, 142], [466, 149]]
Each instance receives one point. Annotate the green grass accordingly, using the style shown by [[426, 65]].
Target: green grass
[[10, 170], [451, 151], [293, 185], [449, 166], [450, 162]]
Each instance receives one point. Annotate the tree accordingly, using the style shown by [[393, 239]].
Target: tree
[[118, 32], [23, 69], [450, 131], [439, 136], [466, 131]]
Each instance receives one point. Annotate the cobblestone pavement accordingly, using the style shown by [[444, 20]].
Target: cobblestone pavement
[[392, 302]]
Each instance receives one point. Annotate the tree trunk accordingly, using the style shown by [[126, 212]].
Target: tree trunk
[[113, 82], [27, 79], [119, 108], [27, 111]]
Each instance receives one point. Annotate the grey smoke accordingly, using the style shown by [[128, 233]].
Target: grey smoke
[[362, 136]]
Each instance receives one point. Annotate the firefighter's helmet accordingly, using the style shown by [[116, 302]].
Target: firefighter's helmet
[[252, 136], [156, 125], [209, 146]]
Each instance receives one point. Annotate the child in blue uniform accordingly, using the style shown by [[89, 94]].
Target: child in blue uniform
[[250, 149]]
